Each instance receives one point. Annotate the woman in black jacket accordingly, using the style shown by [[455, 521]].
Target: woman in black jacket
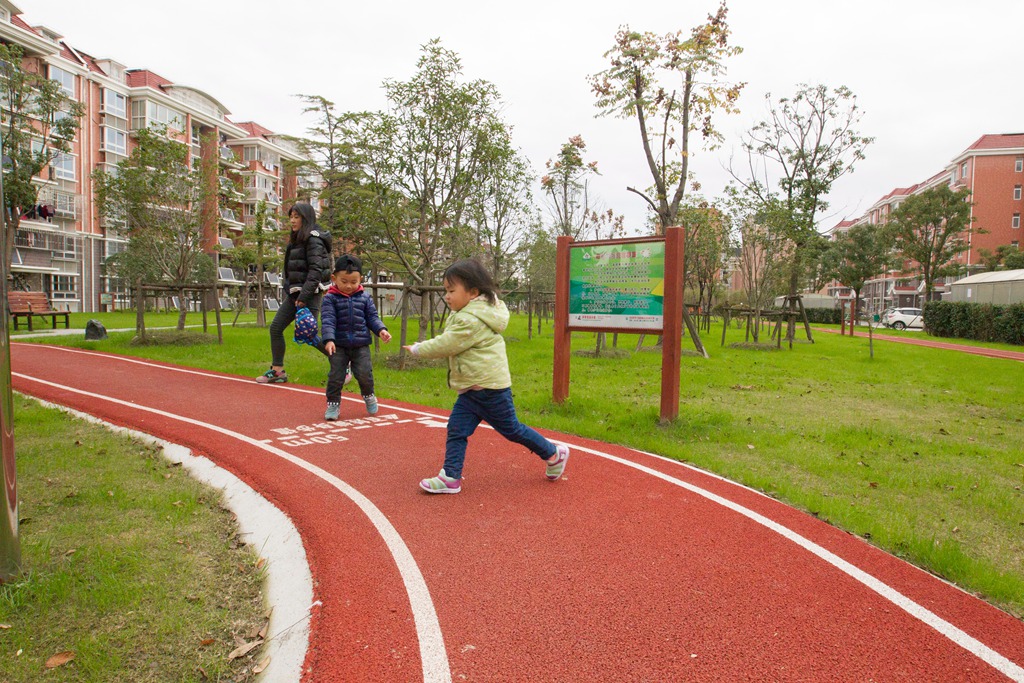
[[307, 272]]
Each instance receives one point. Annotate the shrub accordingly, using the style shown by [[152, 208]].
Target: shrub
[[983, 322], [823, 315]]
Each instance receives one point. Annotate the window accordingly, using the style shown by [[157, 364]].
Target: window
[[1015, 223], [64, 284], [963, 170], [1018, 165], [115, 103], [195, 135], [66, 79], [65, 204], [64, 166], [138, 114], [1016, 191], [1014, 244], [251, 153], [115, 141], [158, 113], [146, 113]]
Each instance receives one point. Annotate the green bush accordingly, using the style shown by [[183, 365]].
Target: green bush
[[982, 322], [828, 316]]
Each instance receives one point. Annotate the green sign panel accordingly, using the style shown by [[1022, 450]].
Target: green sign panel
[[617, 286]]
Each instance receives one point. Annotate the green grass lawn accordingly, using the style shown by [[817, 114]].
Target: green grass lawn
[[919, 450], [128, 563]]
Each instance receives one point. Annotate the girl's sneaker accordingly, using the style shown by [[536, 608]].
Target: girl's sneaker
[[333, 410], [556, 463], [371, 404], [273, 376], [442, 483]]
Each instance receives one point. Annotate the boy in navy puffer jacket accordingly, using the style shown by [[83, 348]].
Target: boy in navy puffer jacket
[[348, 320]]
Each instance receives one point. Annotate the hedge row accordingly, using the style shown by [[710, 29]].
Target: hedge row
[[983, 322], [823, 315]]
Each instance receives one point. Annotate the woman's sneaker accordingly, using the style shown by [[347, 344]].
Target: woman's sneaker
[[371, 404], [273, 376], [556, 463], [333, 410], [442, 483]]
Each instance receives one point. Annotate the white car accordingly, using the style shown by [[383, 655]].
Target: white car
[[904, 318]]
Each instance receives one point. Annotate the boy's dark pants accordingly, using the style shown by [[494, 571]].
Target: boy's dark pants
[[362, 370]]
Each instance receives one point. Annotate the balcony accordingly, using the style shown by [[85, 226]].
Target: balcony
[[226, 276], [227, 188], [228, 216], [228, 158]]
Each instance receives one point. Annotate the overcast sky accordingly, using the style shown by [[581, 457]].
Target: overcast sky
[[931, 75]]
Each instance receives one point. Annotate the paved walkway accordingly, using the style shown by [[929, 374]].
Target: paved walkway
[[631, 568]]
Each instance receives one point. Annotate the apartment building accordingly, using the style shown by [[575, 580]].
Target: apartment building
[[992, 168], [62, 243]]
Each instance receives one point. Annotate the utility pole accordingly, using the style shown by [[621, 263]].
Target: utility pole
[[10, 548]]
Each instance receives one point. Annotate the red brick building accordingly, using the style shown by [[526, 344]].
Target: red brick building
[[62, 247], [992, 168]]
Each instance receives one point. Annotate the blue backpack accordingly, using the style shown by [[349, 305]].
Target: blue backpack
[[306, 328]]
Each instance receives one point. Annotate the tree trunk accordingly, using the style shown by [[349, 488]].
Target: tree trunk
[[13, 221], [182, 309], [140, 312]]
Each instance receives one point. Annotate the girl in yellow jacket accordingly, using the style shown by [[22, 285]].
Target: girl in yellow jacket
[[478, 371]]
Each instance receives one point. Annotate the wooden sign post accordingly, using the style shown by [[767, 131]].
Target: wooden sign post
[[624, 286]]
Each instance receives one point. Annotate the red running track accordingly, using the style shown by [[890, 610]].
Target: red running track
[[631, 568], [933, 344]]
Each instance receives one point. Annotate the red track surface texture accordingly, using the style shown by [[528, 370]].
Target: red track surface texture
[[631, 568]]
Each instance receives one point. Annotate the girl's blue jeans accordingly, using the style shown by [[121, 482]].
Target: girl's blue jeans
[[495, 407]]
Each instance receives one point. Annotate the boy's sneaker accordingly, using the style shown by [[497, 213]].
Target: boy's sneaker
[[273, 376], [442, 483], [556, 463], [371, 404], [333, 409]]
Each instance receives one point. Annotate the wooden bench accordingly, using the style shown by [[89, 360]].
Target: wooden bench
[[29, 305]]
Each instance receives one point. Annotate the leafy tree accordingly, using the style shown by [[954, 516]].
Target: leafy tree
[[1005, 257], [39, 122], [333, 155], [257, 248], [928, 230], [504, 212], [537, 258], [567, 188], [762, 251], [795, 155], [160, 198], [707, 243], [425, 160], [671, 86], [856, 256]]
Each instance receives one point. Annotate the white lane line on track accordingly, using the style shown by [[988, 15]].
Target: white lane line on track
[[433, 655], [1004, 665]]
